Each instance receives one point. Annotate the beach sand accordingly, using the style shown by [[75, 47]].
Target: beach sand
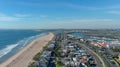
[[25, 56]]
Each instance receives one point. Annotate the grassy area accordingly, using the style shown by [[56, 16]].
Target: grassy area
[[116, 49], [45, 47], [37, 56], [56, 51], [58, 64], [88, 64], [116, 61], [106, 63], [31, 64]]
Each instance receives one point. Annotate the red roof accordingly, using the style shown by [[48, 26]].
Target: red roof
[[104, 45]]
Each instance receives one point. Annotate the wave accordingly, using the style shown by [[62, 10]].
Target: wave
[[7, 49], [28, 40], [19, 44]]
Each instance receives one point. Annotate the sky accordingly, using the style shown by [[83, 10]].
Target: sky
[[55, 14]]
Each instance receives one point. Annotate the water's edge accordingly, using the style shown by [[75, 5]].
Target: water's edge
[[12, 49]]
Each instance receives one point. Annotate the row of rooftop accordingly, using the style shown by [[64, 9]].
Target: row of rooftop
[[45, 58], [101, 43], [75, 56]]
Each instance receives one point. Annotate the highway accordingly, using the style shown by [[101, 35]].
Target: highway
[[99, 60]]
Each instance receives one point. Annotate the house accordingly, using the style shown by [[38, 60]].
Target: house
[[36, 64], [115, 45], [119, 57], [43, 62], [94, 42], [82, 51], [51, 46], [103, 45], [74, 55], [44, 59], [46, 54], [99, 43], [82, 40]]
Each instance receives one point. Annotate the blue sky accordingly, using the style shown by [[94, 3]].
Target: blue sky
[[50, 14]]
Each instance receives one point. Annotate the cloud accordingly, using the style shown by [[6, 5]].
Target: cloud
[[60, 4], [4, 17], [114, 12], [28, 3], [9, 18], [76, 6], [87, 20], [22, 15], [39, 4], [82, 23], [43, 16], [93, 20], [114, 6]]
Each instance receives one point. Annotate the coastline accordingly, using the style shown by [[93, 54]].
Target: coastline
[[25, 55]]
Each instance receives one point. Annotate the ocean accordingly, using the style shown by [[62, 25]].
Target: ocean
[[12, 41]]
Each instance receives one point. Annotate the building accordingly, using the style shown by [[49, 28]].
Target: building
[[43, 62], [99, 43], [115, 46], [119, 57], [46, 54], [44, 59], [51, 46]]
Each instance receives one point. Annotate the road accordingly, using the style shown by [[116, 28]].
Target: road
[[98, 59], [100, 62], [109, 58]]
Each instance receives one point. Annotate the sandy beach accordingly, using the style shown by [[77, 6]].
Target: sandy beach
[[25, 56]]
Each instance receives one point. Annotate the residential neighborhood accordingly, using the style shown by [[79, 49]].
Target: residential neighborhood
[[67, 50]]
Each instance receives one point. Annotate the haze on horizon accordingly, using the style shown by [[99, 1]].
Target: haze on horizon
[[53, 14]]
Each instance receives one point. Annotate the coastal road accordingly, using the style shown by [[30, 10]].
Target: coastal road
[[99, 60], [109, 58]]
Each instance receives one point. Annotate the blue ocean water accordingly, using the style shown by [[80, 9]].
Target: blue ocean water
[[11, 41]]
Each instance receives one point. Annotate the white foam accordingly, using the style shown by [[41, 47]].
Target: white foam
[[7, 49], [23, 42]]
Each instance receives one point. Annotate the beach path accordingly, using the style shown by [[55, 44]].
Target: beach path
[[25, 56]]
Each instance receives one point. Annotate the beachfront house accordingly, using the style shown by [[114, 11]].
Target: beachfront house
[[43, 62], [46, 54], [44, 59], [51, 46]]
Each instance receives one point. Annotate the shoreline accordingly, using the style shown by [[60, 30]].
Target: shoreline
[[26, 54]]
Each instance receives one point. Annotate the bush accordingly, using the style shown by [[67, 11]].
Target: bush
[[31, 64], [37, 56]]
